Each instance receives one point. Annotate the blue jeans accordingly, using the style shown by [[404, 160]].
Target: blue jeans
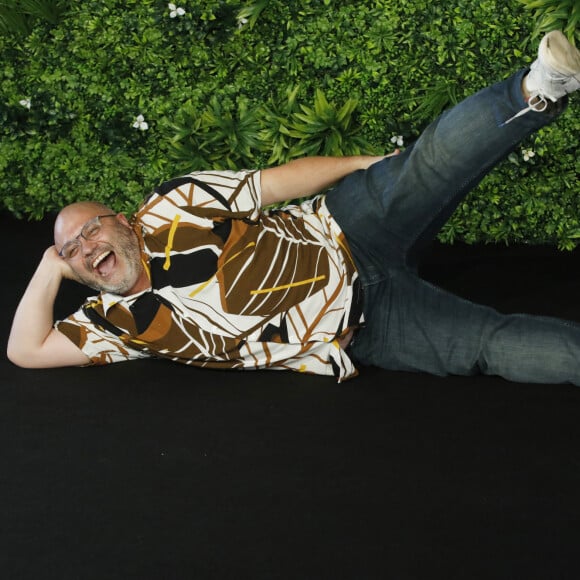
[[393, 209]]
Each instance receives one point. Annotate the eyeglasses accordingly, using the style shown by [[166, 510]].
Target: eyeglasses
[[90, 231]]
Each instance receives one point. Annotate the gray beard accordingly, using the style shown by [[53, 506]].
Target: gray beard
[[127, 247]]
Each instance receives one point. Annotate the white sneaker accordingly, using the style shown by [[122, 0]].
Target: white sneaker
[[553, 75], [556, 71]]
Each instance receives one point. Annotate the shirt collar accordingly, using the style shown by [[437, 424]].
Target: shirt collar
[[109, 300]]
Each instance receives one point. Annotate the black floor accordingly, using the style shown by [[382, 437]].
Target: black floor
[[149, 470]]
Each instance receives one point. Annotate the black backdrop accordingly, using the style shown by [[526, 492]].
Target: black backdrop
[[156, 471]]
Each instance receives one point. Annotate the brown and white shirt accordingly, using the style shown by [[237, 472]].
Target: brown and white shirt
[[232, 285]]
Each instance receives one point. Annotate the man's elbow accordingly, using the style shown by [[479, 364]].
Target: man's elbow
[[55, 356], [21, 359], [18, 360], [25, 357]]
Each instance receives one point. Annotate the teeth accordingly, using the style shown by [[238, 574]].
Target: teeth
[[100, 258]]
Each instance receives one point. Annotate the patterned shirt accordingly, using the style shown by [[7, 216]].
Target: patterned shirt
[[232, 285]]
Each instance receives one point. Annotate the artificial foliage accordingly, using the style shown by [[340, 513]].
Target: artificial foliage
[[104, 99]]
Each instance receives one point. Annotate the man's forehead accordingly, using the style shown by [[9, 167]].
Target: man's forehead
[[71, 219]]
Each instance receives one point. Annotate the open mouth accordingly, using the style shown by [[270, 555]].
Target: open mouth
[[104, 263]]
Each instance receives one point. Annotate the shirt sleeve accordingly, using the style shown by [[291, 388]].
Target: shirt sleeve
[[204, 194], [241, 189], [100, 346]]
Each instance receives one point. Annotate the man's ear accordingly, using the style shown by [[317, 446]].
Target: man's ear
[[121, 217]]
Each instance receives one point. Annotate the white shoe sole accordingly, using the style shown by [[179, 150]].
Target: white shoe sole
[[559, 54]]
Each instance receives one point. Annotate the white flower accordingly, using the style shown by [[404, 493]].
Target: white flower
[[242, 22], [25, 103], [140, 123], [398, 139], [527, 154], [175, 10]]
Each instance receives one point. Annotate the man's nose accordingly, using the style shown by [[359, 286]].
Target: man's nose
[[87, 246]]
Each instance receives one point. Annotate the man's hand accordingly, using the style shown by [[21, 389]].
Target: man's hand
[[58, 264], [368, 160]]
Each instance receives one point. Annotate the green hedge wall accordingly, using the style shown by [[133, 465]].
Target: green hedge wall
[[233, 84]]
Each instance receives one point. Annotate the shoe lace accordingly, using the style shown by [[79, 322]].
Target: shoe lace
[[536, 103]]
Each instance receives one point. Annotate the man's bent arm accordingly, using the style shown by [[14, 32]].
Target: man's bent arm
[[33, 342], [308, 175]]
